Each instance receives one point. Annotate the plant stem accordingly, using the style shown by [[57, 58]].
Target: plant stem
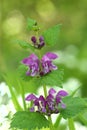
[[22, 94], [14, 98], [45, 91], [49, 117], [58, 121], [51, 124], [82, 119], [71, 124]]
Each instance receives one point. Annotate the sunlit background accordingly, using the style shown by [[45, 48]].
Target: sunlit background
[[71, 47]]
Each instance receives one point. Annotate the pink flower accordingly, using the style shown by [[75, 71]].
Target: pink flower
[[33, 65], [41, 67], [48, 105]]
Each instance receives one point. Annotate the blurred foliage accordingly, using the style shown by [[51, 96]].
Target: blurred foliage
[[73, 35]]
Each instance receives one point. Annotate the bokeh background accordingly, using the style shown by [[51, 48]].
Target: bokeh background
[[72, 44]]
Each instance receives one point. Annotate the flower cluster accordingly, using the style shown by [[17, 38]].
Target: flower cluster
[[41, 67], [38, 44], [48, 105]]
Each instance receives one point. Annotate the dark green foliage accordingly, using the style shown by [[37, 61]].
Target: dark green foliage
[[28, 120], [22, 69], [53, 78], [74, 106], [51, 35]]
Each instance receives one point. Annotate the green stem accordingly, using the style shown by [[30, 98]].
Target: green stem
[[71, 124], [58, 121], [45, 91], [51, 124], [13, 96], [73, 93], [83, 120], [49, 117], [22, 94]]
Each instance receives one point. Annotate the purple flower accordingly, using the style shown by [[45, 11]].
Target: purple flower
[[47, 62], [48, 105], [42, 43], [33, 65], [38, 43], [33, 39], [41, 67], [41, 38]]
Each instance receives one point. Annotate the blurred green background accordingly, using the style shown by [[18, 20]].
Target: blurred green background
[[72, 45]]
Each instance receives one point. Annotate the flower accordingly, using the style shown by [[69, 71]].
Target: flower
[[41, 38], [47, 64], [41, 67], [33, 65], [38, 44], [33, 39], [48, 105]]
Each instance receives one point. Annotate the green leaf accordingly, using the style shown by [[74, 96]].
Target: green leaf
[[24, 44], [31, 23], [51, 35], [54, 78], [22, 69], [74, 106], [28, 120]]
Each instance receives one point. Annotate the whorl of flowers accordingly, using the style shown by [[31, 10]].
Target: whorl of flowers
[[41, 67], [38, 43], [47, 105]]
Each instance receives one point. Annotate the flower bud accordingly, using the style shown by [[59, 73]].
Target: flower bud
[[41, 39], [33, 39], [41, 44]]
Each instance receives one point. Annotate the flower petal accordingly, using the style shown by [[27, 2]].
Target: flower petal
[[58, 99], [62, 93], [52, 91], [41, 38], [30, 60], [30, 97], [51, 55]]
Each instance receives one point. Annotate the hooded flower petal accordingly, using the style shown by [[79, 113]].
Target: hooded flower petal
[[51, 55], [31, 97], [30, 60], [62, 93], [33, 63], [52, 91]]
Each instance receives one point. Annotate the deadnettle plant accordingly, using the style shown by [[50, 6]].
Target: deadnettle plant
[[47, 105], [41, 67], [38, 71]]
